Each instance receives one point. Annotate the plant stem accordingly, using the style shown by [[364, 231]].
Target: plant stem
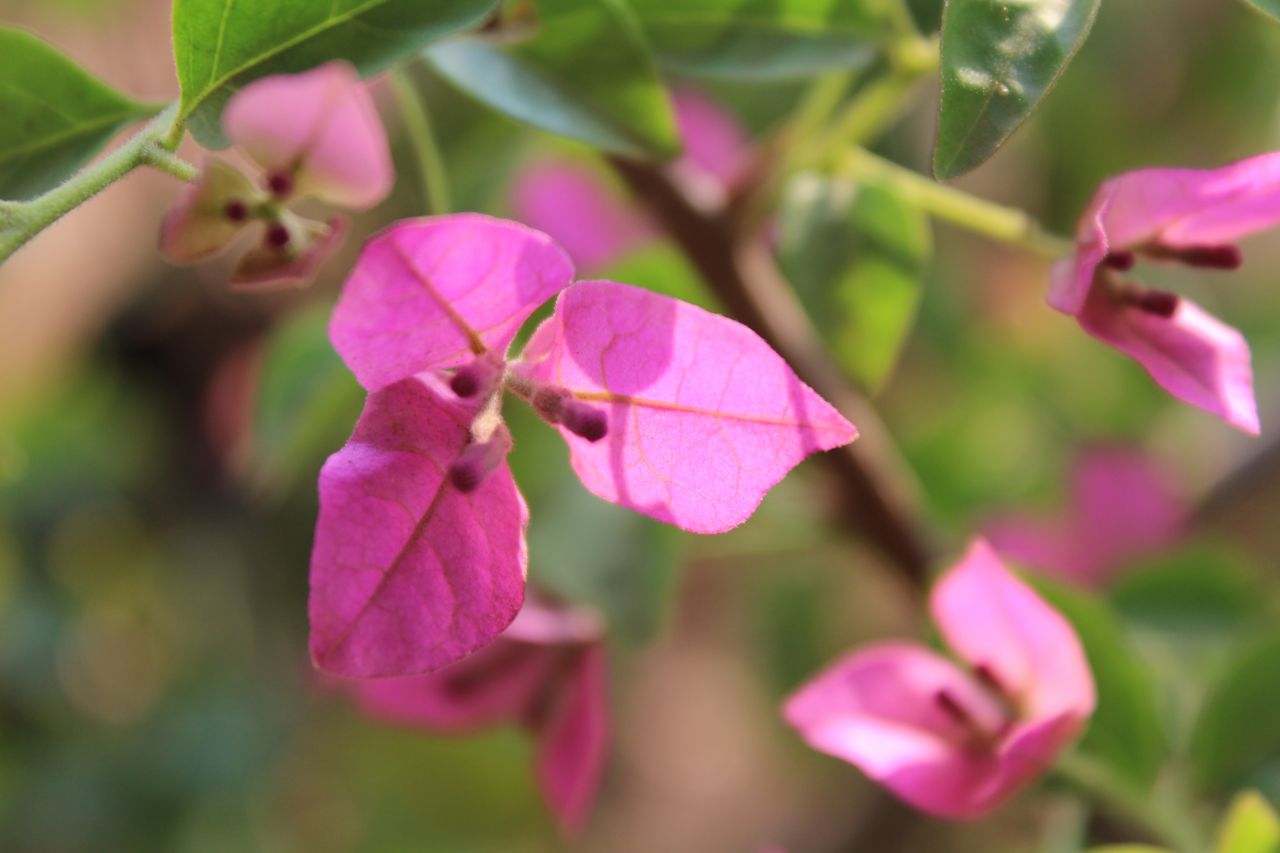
[[1155, 816], [20, 221], [431, 167], [1005, 224]]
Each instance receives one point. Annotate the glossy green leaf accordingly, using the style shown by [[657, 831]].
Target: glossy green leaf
[[1266, 7], [857, 257], [584, 73], [757, 39], [221, 45], [1251, 826], [1126, 731], [305, 405], [54, 115], [1238, 729], [999, 59]]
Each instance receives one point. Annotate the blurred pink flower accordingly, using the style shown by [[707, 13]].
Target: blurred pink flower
[[546, 672], [314, 134], [594, 222], [1121, 507], [1185, 215], [957, 742]]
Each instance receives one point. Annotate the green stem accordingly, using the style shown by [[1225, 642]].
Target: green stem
[[1164, 821], [20, 221], [1005, 224], [431, 167]]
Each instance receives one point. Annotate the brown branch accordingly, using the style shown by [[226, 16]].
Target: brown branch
[[880, 498]]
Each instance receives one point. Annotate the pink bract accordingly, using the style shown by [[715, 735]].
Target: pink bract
[[1121, 506], [957, 742], [547, 673], [319, 128], [310, 245], [703, 417], [407, 573], [197, 226], [432, 293], [716, 148], [1186, 215]]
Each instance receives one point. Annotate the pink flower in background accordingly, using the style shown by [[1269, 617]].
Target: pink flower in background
[[1183, 215], [546, 673], [315, 135], [1122, 505], [419, 556], [595, 223], [957, 741]]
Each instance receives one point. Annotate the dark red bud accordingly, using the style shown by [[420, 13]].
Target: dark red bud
[[1158, 302], [236, 210], [583, 420], [465, 383], [951, 706], [1120, 260], [987, 677], [477, 378], [1212, 257], [280, 184], [277, 236], [478, 460]]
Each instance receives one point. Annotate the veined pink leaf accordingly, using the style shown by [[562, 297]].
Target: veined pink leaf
[[409, 574], [433, 293], [703, 417]]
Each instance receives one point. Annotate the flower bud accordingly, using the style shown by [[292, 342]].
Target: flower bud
[[478, 460], [477, 379], [583, 420]]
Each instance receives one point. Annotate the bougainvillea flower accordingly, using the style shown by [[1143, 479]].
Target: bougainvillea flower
[[1184, 215], [1122, 505], [546, 673], [667, 409], [595, 223], [957, 740], [314, 134]]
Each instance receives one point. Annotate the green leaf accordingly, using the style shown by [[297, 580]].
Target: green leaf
[[1238, 729], [221, 45], [55, 115], [1195, 591], [306, 404], [857, 257], [757, 39], [1128, 848], [1126, 732], [1266, 7], [584, 73], [1251, 826], [999, 59]]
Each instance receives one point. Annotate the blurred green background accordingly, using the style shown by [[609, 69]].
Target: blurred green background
[[160, 438]]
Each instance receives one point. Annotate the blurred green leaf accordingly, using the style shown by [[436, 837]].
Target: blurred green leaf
[[663, 269], [55, 115], [1126, 732], [585, 73], [1128, 848], [1238, 729], [221, 45], [307, 403], [999, 59], [1251, 826], [857, 256], [1197, 589], [1266, 7], [761, 38]]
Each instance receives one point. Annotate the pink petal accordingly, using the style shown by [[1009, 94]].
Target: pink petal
[[703, 417], [547, 624], [1122, 506], [877, 709], [573, 742], [498, 684], [431, 293], [1195, 357], [197, 226], [715, 145], [994, 620], [1168, 207], [409, 574], [573, 206], [321, 128], [310, 245]]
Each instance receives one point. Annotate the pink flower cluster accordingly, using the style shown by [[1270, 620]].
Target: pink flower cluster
[[314, 135]]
